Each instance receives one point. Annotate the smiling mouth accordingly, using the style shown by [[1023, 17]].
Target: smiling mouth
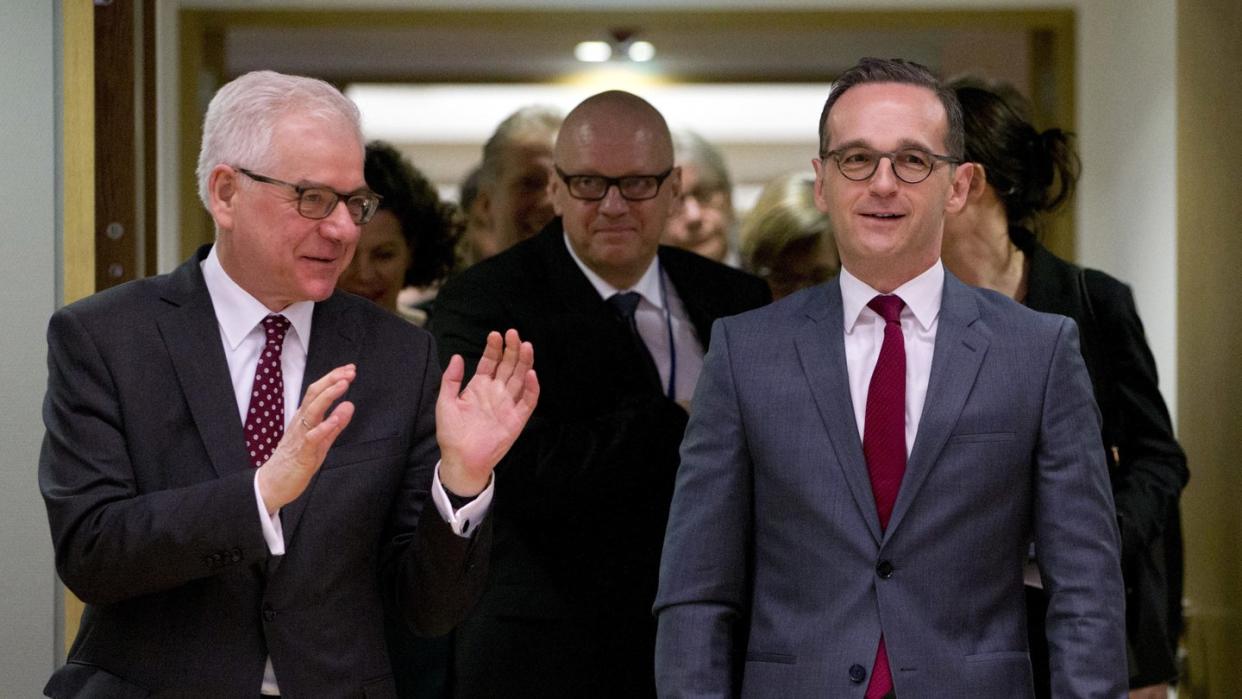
[[884, 215]]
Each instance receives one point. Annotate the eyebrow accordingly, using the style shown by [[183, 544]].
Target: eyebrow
[[311, 184], [902, 145]]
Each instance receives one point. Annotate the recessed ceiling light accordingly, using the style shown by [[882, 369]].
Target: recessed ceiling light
[[641, 51], [593, 51]]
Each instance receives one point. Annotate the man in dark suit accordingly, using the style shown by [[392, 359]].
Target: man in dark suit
[[584, 493], [868, 459], [204, 575]]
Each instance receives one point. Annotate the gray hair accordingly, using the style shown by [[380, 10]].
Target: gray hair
[[690, 147], [244, 113], [532, 122]]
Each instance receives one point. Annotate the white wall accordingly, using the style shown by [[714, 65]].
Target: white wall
[[28, 272], [1127, 127]]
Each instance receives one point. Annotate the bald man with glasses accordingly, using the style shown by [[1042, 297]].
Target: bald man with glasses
[[621, 324]]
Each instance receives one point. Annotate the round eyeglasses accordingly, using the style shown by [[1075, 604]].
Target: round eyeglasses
[[631, 187], [319, 202], [910, 165]]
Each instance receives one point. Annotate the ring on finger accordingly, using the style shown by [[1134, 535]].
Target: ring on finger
[[305, 424]]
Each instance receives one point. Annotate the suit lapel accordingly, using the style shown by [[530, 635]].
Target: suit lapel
[[820, 343], [958, 354], [335, 340], [191, 335]]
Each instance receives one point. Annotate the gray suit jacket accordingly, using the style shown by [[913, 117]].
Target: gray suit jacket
[[776, 578]]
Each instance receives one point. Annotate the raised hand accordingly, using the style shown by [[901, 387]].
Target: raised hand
[[476, 426], [306, 441]]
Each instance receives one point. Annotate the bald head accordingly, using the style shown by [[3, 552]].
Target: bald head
[[616, 116], [615, 141]]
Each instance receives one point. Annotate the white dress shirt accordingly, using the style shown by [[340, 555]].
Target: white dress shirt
[[660, 308], [240, 317], [864, 335]]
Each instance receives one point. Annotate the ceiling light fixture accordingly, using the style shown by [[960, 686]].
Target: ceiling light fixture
[[641, 51], [593, 51], [620, 44]]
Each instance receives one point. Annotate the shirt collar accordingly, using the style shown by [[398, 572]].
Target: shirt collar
[[238, 312], [648, 285], [921, 294]]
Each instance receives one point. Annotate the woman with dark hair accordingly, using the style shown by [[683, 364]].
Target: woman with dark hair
[[410, 240], [1022, 174]]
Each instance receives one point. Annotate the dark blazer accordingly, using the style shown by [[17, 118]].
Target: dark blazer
[[1147, 466], [777, 579], [582, 498], [153, 515]]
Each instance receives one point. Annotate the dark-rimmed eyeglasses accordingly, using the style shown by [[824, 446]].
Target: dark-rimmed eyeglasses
[[319, 202], [910, 165], [631, 187]]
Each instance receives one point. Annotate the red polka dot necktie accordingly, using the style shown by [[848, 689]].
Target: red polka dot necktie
[[884, 443], [265, 418]]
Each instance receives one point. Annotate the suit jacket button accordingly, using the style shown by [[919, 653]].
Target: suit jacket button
[[884, 570], [858, 673], [269, 614], [235, 555]]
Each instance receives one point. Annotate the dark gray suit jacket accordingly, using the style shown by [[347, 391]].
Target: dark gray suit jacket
[[777, 579], [153, 515]]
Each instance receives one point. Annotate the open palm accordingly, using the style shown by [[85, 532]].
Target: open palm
[[476, 426]]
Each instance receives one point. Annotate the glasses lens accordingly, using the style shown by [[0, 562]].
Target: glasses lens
[[317, 202], [639, 187], [362, 207], [857, 163], [588, 186], [912, 165]]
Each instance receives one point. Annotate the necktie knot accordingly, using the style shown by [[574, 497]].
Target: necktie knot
[[275, 326], [888, 306], [625, 303]]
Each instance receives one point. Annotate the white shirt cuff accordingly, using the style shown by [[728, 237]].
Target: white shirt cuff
[[273, 533], [463, 522]]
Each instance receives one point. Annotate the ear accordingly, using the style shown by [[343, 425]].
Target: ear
[[483, 206], [674, 184], [222, 193], [978, 183], [821, 171], [556, 190], [961, 187]]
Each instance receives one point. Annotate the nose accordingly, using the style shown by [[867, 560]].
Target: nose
[[339, 226], [884, 180], [613, 204], [691, 209]]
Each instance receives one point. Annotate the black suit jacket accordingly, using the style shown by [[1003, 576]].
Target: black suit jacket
[[155, 525], [1146, 464], [582, 498]]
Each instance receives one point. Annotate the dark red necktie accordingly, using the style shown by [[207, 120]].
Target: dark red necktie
[[884, 443], [265, 418]]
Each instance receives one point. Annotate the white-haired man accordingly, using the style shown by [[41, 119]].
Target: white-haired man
[[227, 539]]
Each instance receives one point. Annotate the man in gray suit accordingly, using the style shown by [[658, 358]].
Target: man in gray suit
[[869, 459]]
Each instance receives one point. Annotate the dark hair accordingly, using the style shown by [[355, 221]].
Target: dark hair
[[427, 224], [1033, 172], [896, 70]]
